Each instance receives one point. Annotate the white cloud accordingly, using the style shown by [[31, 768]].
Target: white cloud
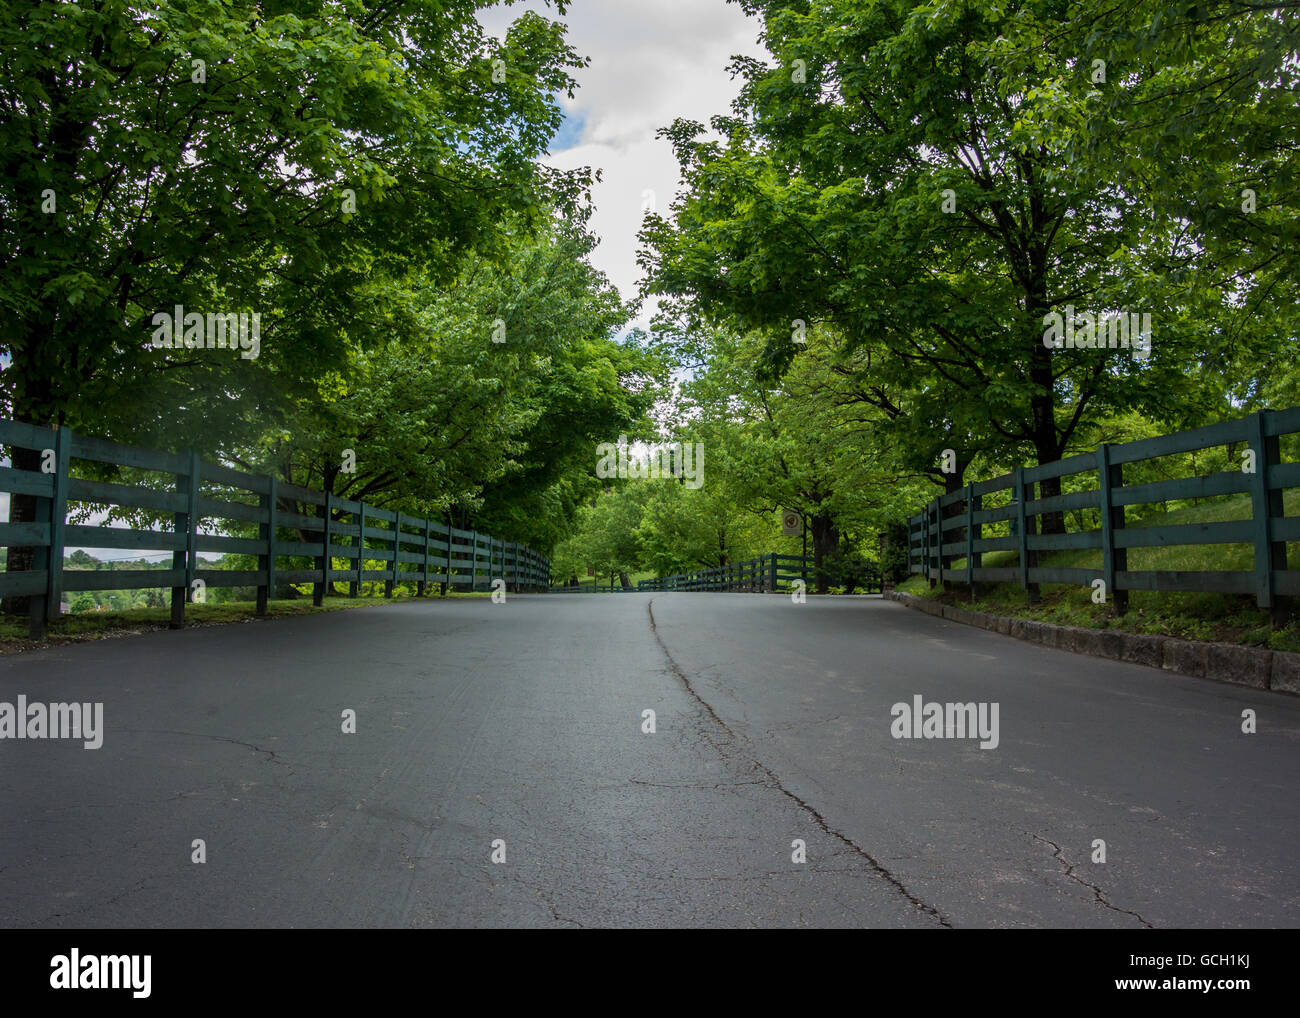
[[652, 61]]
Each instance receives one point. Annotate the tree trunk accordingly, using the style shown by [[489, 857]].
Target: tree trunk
[[952, 483], [1047, 446], [826, 538]]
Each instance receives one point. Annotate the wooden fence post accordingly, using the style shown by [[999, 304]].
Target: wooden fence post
[[192, 525], [925, 544], [970, 538], [938, 542], [1266, 504], [354, 587], [1113, 560], [473, 558], [53, 512], [1032, 589], [945, 560], [186, 557], [59, 517], [38, 605], [1021, 528], [422, 585], [324, 562], [447, 572], [58, 522], [266, 531], [397, 544]]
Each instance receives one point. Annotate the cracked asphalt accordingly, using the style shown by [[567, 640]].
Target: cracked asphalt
[[523, 722]]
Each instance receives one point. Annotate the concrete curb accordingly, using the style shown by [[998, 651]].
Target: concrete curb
[[1255, 667]]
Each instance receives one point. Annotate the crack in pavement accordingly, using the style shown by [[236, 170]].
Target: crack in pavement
[[1100, 895], [550, 905], [270, 753], [879, 868]]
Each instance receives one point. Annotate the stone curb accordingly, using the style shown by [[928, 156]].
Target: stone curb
[[1224, 662]]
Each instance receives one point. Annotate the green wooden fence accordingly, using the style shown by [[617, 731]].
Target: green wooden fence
[[204, 500], [765, 574], [952, 528]]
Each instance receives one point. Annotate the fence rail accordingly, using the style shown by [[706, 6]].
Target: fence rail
[[291, 522], [766, 574], [951, 527], [589, 588]]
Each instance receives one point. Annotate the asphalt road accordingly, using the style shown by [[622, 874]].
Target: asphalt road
[[523, 722]]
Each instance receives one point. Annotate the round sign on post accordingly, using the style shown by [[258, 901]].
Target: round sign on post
[[791, 523]]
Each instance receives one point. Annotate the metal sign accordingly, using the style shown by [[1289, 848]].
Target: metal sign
[[791, 523]]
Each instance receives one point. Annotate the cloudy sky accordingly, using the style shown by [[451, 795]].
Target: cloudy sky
[[651, 62]]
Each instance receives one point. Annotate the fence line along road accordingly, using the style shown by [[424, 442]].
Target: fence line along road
[[950, 528], [405, 548], [765, 574], [588, 588], [756, 574]]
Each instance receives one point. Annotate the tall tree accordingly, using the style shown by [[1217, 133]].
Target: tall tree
[[918, 176], [487, 399], [244, 157], [264, 158]]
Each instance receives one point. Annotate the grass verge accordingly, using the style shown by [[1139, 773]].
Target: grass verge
[[1220, 618], [87, 626]]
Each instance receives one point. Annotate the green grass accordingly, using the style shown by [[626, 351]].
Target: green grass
[[84, 626], [1228, 618]]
